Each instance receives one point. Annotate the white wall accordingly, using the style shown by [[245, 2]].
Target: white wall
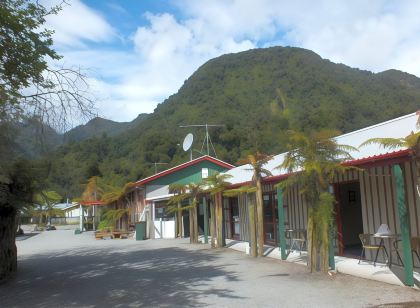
[[154, 191]]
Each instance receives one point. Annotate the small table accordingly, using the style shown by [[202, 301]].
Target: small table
[[288, 236], [382, 238]]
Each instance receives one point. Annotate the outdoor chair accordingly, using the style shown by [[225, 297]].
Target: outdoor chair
[[415, 248], [368, 245], [298, 238]]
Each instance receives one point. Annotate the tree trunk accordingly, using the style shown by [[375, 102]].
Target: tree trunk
[[252, 227], [219, 220], [195, 224], [309, 241], [40, 216], [179, 221], [190, 212], [8, 252], [417, 163], [260, 219], [324, 262], [213, 223]]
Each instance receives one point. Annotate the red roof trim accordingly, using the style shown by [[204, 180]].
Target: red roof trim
[[366, 161], [182, 166], [376, 158], [233, 186], [276, 178], [90, 203]]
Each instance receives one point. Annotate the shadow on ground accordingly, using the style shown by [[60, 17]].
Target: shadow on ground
[[398, 305], [25, 236], [110, 277]]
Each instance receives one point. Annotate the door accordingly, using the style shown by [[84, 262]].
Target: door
[[349, 218], [164, 222], [235, 221], [270, 219]]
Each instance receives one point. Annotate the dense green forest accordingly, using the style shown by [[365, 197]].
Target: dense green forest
[[35, 139], [247, 92]]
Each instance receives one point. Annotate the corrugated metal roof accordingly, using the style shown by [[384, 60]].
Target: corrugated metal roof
[[395, 128]]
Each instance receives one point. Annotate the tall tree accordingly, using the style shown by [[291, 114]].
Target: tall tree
[[313, 160], [257, 162], [93, 189], [30, 86], [16, 192], [47, 199], [215, 185], [113, 195]]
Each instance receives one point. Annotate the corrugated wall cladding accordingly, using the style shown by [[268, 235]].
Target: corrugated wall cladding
[[296, 209], [348, 176], [379, 205], [243, 217]]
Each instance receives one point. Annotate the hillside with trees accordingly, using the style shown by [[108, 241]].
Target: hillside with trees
[[249, 93]]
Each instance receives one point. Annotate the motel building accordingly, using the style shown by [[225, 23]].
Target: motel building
[[366, 200], [149, 197], [380, 201]]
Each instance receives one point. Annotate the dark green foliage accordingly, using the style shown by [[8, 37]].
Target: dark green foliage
[[246, 92], [98, 126], [24, 46]]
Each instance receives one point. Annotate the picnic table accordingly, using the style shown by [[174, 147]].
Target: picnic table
[[100, 235]]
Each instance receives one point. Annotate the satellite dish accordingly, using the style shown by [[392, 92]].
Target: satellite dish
[[188, 140]]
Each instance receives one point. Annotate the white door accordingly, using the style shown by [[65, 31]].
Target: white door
[[164, 223]]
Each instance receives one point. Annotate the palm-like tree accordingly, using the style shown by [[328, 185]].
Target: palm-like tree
[[314, 159], [113, 194], [47, 201], [410, 142], [257, 162], [93, 189], [215, 185], [183, 192]]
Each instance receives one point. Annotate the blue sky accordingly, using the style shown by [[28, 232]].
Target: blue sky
[[137, 53]]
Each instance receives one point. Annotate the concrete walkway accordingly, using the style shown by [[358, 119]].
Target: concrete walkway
[[381, 272], [60, 269]]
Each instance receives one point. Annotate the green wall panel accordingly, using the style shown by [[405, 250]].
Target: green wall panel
[[190, 174]]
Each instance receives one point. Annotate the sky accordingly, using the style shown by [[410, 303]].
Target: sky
[[139, 52]]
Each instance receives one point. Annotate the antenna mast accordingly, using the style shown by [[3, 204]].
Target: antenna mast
[[156, 164], [207, 140]]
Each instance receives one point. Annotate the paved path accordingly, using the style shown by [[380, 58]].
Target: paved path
[[60, 269]]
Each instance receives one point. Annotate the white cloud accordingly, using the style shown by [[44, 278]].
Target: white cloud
[[77, 23], [374, 35]]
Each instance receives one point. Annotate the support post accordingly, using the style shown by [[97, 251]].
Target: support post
[[179, 222], [81, 217], [94, 218], [404, 223], [223, 219], [282, 231], [331, 259], [206, 221]]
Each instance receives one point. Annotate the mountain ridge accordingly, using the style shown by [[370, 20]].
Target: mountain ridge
[[247, 92]]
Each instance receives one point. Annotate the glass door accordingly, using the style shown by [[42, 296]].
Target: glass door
[[235, 224], [270, 218]]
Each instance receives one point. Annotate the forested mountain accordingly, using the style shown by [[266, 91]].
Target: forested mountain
[[34, 139], [99, 126], [246, 92]]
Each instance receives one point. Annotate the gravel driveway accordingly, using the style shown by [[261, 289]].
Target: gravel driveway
[[60, 269]]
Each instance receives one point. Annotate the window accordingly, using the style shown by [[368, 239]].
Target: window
[[204, 173], [161, 211]]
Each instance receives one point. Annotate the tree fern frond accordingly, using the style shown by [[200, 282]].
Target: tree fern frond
[[387, 143]]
